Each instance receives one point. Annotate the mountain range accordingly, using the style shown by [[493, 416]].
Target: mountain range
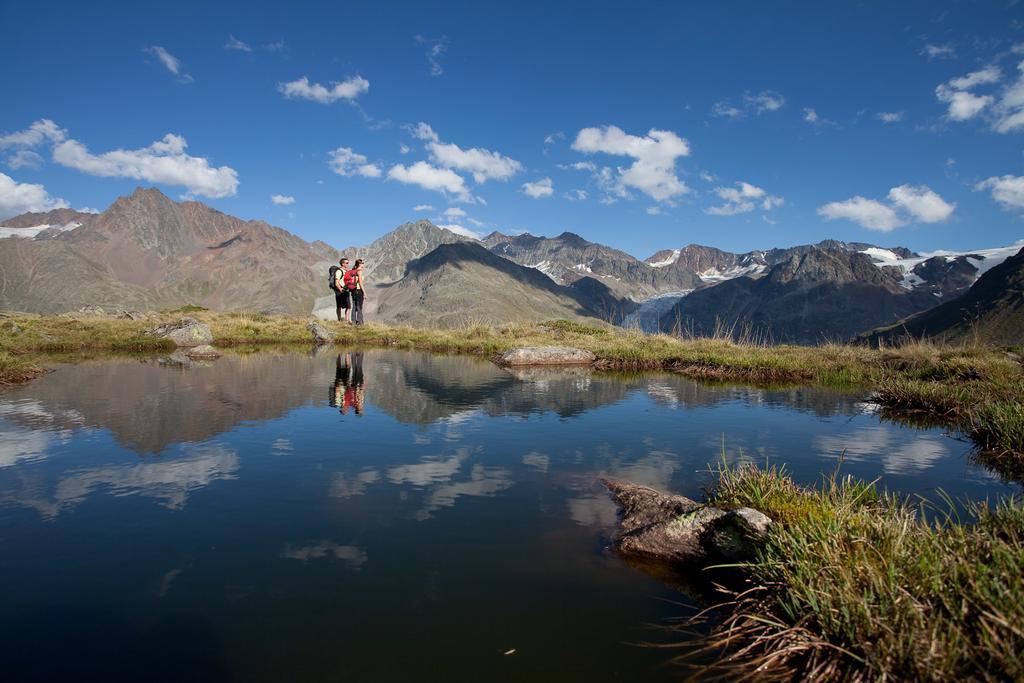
[[149, 252]]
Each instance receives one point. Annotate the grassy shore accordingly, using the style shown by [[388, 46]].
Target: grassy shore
[[854, 585], [973, 388]]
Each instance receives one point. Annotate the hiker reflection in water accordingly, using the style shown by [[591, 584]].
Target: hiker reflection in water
[[347, 391], [342, 375]]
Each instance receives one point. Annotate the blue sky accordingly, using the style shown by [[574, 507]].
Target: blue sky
[[640, 125]]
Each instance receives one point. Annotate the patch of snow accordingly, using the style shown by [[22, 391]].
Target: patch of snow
[[883, 255], [583, 267], [547, 268], [35, 230], [715, 275], [667, 262]]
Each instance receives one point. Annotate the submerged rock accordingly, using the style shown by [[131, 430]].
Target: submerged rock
[[185, 332], [321, 335], [545, 355], [677, 530], [204, 351]]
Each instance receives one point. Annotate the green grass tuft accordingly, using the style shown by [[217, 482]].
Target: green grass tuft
[[854, 585]]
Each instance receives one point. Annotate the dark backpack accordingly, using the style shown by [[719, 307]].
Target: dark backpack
[[330, 280]]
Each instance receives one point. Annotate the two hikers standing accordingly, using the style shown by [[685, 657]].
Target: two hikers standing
[[349, 292]]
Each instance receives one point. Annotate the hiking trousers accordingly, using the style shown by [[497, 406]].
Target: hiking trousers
[[357, 306]]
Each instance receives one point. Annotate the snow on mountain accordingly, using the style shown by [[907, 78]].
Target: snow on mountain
[[668, 261], [716, 275], [982, 260], [35, 230]]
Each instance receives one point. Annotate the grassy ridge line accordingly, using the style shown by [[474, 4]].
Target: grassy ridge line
[[974, 388], [854, 585]]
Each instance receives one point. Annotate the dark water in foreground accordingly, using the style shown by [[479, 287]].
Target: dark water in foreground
[[271, 517]]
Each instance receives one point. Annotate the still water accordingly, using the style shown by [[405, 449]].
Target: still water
[[377, 515]]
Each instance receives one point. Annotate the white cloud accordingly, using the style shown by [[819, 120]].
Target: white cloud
[[348, 89], [918, 203], [889, 116], [236, 44], [1010, 109], [430, 177], [423, 207], [346, 162], [707, 176], [743, 199], [868, 213], [726, 110], [482, 163], [810, 116], [766, 100], [553, 138], [172, 63], [539, 188], [165, 161], [17, 198], [576, 195], [965, 105], [1008, 190], [24, 158], [654, 170], [276, 46], [579, 166], [921, 203], [282, 199], [938, 51], [962, 105], [989, 74], [404, 149], [454, 212], [39, 132], [435, 48], [653, 210]]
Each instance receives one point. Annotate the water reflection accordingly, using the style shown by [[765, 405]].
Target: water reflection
[[347, 392], [168, 482], [408, 489], [354, 556], [151, 407]]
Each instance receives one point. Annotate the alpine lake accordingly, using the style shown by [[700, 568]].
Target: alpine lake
[[337, 514]]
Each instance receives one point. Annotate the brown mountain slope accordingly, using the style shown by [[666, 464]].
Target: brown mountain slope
[[464, 283], [149, 252]]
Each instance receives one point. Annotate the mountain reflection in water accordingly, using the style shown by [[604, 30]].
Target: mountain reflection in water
[[367, 498]]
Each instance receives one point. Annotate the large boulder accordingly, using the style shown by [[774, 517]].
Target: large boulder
[[680, 531], [184, 332], [321, 335], [545, 355]]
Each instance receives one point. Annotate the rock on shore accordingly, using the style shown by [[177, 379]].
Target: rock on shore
[[185, 332], [545, 355], [677, 530], [321, 335]]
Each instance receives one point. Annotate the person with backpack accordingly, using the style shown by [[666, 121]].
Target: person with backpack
[[357, 292], [336, 281]]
